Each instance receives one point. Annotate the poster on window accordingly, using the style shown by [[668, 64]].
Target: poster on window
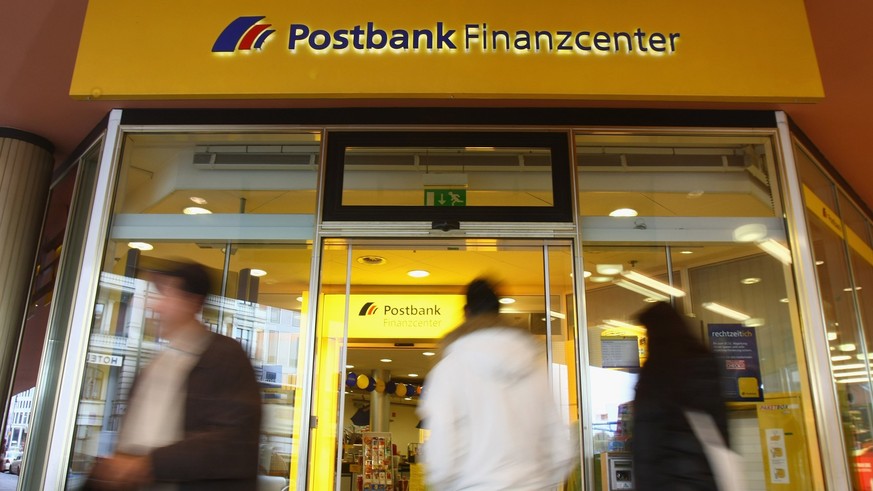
[[736, 346]]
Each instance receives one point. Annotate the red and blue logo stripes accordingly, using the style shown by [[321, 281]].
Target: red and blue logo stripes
[[243, 34]]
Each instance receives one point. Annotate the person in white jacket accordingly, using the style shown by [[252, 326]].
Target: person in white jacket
[[493, 422]]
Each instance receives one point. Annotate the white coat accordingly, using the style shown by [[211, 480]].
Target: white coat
[[494, 423]]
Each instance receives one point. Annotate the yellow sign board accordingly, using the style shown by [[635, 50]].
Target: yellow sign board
[[656, 50], [397, 316]]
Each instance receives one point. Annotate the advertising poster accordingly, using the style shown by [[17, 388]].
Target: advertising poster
[[737, 347]]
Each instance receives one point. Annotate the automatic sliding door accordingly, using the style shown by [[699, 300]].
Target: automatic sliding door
[[379, 327]]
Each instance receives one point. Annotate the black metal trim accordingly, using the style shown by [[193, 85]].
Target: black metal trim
[[28, 137], [499, 116], [832, 171], [557, 142]]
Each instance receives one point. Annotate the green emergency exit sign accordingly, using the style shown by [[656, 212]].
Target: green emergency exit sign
[[445, 197]]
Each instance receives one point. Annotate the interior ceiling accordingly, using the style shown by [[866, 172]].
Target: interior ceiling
[[40, 40]]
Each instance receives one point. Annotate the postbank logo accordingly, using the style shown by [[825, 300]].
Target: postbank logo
[[369, 308], [243, 34]]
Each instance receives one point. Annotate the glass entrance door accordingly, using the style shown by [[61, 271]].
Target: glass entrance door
[[383, 307]]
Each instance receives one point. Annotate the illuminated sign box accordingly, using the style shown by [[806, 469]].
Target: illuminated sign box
[[397, 316], [657, 50]]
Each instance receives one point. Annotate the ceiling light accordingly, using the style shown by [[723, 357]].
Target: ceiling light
[[686, 252], [777, 250], [609, 268], [850, 289], [753, 322], [750, 281], [299, 299], [507, 300], [198, 200], [419, 273], [586, 274], [428, 353], [858, 373], [750, 232], [862, 356], [725, 311], [350, 366], [819, 263], [696, 193], [143, 246], [600, 279], [853, 380], [257, 273], [832, 335], [653, 283], [627, 285], [783, 300], [650, 300], [413, 375], [196, 210], [386, 360], [846, 347], [850, 366], [372, 260], [842, 357], [623, 212]]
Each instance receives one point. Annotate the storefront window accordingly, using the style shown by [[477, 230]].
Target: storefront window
[[196, 197], [839, 234], [692, 220]]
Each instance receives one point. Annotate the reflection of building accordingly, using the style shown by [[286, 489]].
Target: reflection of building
[[126, 336], [19, 419]]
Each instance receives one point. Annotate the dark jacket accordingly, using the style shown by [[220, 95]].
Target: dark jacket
[[222, 424], [680, 374]]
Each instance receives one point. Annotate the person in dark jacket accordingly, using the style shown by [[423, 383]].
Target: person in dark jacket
[[680, 374], [194, 413]]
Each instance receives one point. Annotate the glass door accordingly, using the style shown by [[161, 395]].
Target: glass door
[[383, 307]]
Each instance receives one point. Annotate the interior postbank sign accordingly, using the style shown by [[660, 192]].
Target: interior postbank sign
[[743, 50]]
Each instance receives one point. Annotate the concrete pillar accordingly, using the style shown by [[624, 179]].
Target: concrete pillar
[[380, 405], [25, 175]]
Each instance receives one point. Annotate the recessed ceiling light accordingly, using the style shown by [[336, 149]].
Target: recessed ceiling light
[[372, 260], [257, 272], [413, 375], [750, 281], [350, 366], [600, 279], [847, 347], [696, 193], [419, 273], [753, 322], [686, 252], [299, 299], [832, 335], [143, 246], [841, 358], [609, 268], [819, 263], [783, 300], [586, 274], [650, 300], [198, 200], [196, 210], [507, 300], [386, 360], [850, 289], [428, 353], [623, 212]]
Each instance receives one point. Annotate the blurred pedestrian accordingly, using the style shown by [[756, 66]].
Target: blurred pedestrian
[[680, 375], [493, 422], [193, 416]]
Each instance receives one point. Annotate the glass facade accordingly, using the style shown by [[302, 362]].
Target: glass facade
[[302, 229]]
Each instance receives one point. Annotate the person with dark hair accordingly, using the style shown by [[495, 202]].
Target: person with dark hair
[[680, 375], [193, 416], [493, 422]]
